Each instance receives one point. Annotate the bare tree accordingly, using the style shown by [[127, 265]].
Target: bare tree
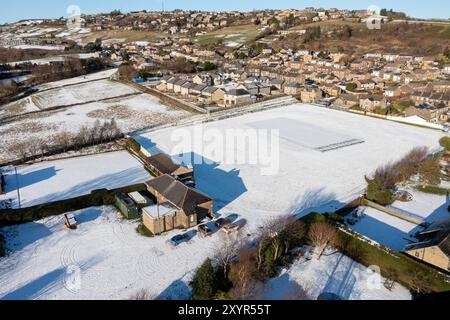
[[228, 251], [21, 149], [322, 235], [142, 295], [63, 140], [244, 282], [268, 233]]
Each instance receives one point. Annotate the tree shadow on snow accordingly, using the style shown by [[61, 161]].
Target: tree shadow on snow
[[282, 288], [49, 282], [37, 287], [21, 236], [177, 290], [341, 280], [314, 200]]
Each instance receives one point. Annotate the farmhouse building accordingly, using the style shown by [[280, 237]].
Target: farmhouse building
[[161, 164], [177, 206]]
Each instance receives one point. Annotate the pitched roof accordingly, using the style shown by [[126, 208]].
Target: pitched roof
[[178, 194], [237, 92], [163, 163]]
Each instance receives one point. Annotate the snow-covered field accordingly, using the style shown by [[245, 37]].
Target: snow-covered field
[[333, 274], [130, 112], [89, 77], [307, 179], [63, 179], [122, 262], [81, 93], [115, 261]]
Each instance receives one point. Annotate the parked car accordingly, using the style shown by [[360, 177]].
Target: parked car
[[204, 230], [177, 240], [222, 222], [230, 228], [185, 237], [234, 227]]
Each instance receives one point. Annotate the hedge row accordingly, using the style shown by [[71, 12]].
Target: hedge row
[[95, 198]]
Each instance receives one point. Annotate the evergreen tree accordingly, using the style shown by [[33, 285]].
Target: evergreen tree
[[203, 284]]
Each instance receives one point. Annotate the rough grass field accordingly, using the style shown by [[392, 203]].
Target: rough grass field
[[414, 38], [239, 33], [126, 36]]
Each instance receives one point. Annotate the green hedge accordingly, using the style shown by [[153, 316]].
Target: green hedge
[[133, 145], [95, 198], [433, 190]]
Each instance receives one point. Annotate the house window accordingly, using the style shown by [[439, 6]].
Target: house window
[[417, 254]]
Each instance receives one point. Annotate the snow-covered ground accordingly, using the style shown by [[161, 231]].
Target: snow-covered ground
[[89, 77], [333, 274], [307, 179], [122, 262], [48, 60], [63, 179], [396, 233], [81, 93], [130, 112], [425, 206], [40, 47], [114, 261], [386, 229]]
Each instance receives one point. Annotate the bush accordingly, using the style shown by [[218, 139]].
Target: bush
[[313, 217], [334, 217], [204, 282], [430, 171], [445, 143], [377, 193], [433, 190], [143, 231], [351, 87]]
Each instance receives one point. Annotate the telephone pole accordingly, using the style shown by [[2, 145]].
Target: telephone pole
[[18, 187]]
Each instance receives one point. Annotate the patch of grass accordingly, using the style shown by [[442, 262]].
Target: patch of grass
[[240, 34], [143, 231], [399, 107], [16, 107], [433, 190]]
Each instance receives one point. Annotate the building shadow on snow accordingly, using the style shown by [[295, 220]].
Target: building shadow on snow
[[223, 186]]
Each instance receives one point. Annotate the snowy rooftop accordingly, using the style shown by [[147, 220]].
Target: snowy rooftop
[[158, 211]]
